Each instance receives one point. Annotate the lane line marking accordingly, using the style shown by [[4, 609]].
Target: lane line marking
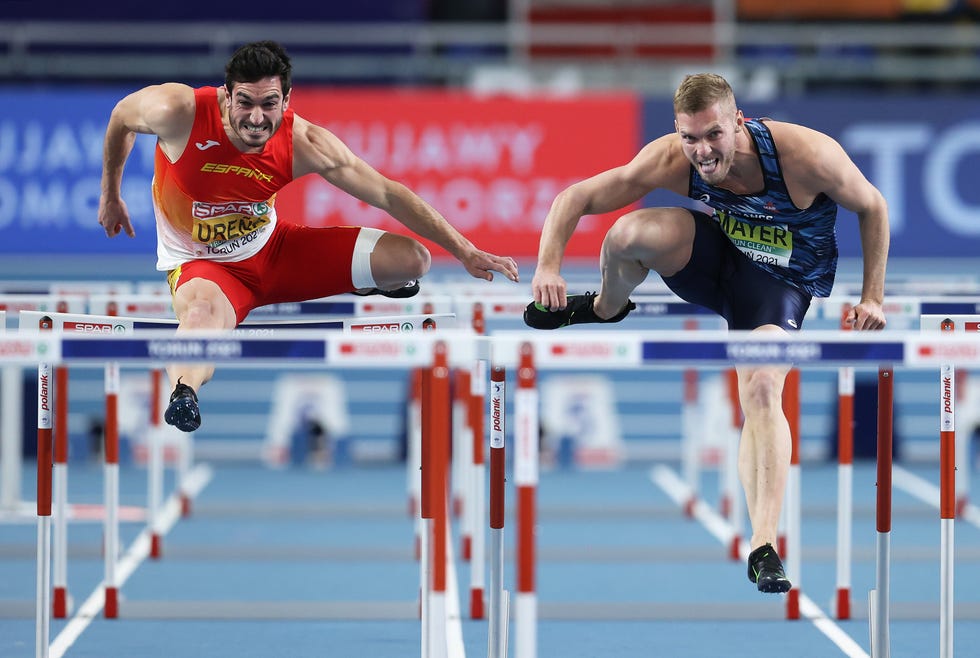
[[678, 491], [138, 551], [928, 493]]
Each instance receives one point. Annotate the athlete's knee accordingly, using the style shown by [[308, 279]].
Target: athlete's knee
[[623, 236], [762, 392], [200, 307], [199, 313], [417, 260], [636, 234]]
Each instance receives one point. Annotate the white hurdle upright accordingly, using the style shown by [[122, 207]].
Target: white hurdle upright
[[499, 609], [44, 485], [845, 479], [526, 440], [947, 499]]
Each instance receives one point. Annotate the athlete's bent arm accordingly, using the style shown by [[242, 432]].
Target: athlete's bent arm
[[166, 111], [846, 185], [317, 150], [660, 164]]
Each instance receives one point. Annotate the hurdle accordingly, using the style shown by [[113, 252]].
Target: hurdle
[[608, 349], [11, 427], [951, 456], [77, 323], [227, 349]]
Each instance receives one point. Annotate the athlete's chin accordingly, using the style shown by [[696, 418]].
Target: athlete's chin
[[714, 178], [255, 141]]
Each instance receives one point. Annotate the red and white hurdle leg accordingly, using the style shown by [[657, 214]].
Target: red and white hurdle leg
[[527, 437], [62, 604], [111, 527]]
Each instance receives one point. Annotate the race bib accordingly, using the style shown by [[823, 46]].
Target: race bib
[[771, 244], [226, 227]]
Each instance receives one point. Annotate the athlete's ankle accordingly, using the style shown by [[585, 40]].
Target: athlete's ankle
[[601, 311]]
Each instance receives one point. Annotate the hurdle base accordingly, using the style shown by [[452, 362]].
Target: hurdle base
[[476, 603], [60, 603], [842, 604], [111, 608]]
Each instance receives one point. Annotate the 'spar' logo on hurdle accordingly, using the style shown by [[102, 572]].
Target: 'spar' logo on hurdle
[[94, 327], [383, 327]]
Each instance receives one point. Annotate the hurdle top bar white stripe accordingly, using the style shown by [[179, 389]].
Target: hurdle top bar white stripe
[[159, 306], [120, 325], [606, 350], [71, 303], [45, 287], [907, 309]]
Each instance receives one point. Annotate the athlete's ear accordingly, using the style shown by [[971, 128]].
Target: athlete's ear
[[739, 120], [285, 101]]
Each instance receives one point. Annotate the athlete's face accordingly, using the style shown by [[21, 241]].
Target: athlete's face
[[255, 109], [708, 139]]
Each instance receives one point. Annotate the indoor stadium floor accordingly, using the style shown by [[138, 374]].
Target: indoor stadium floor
[[304, 562]]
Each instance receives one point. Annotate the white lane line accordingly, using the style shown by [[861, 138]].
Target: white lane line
[[928, 493], [454, 626], [679, 492], [138, 551]]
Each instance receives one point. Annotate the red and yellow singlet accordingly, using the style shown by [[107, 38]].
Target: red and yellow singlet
[[215, 202]]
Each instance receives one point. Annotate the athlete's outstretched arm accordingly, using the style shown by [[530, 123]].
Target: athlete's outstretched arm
[[660, 164], [317, 150]]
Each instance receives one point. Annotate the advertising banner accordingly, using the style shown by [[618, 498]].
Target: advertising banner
[[491, 166]]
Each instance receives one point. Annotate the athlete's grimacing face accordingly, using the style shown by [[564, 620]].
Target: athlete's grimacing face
[[255, 109], [708, 139]]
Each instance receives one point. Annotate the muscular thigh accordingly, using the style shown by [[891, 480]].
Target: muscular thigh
[[701, 277], [660, 239], [720, 278], [302, 263]]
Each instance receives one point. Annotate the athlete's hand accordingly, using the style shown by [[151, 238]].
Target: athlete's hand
[[114, 217], [867, 315], [482, 265], [549, 290]]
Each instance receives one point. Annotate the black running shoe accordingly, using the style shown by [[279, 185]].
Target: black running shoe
[[183, 412], [578, 311], [410, 289], [766, 570]]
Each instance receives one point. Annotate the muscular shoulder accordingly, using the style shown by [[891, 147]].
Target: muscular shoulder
[[661, 163], [805, 153], [165, 110], [316, 149]]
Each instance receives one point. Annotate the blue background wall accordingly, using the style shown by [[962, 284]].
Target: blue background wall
[[922, 154]]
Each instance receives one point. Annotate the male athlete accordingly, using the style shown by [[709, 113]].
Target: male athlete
[[222, 155], [767, 249]]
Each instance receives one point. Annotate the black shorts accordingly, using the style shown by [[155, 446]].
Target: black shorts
[[721, 278]]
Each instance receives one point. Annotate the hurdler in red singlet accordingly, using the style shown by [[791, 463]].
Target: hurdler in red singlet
[[222, 156], [215, 204]]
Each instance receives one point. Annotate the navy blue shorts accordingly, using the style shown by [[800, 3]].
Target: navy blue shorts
[[721, 278]]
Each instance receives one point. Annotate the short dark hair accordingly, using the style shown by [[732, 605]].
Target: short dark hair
[[258, 60]]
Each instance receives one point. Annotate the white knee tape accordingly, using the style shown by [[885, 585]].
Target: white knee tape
[[360, 263]]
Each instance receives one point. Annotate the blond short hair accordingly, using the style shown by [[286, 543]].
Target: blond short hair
[[699, 91]]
